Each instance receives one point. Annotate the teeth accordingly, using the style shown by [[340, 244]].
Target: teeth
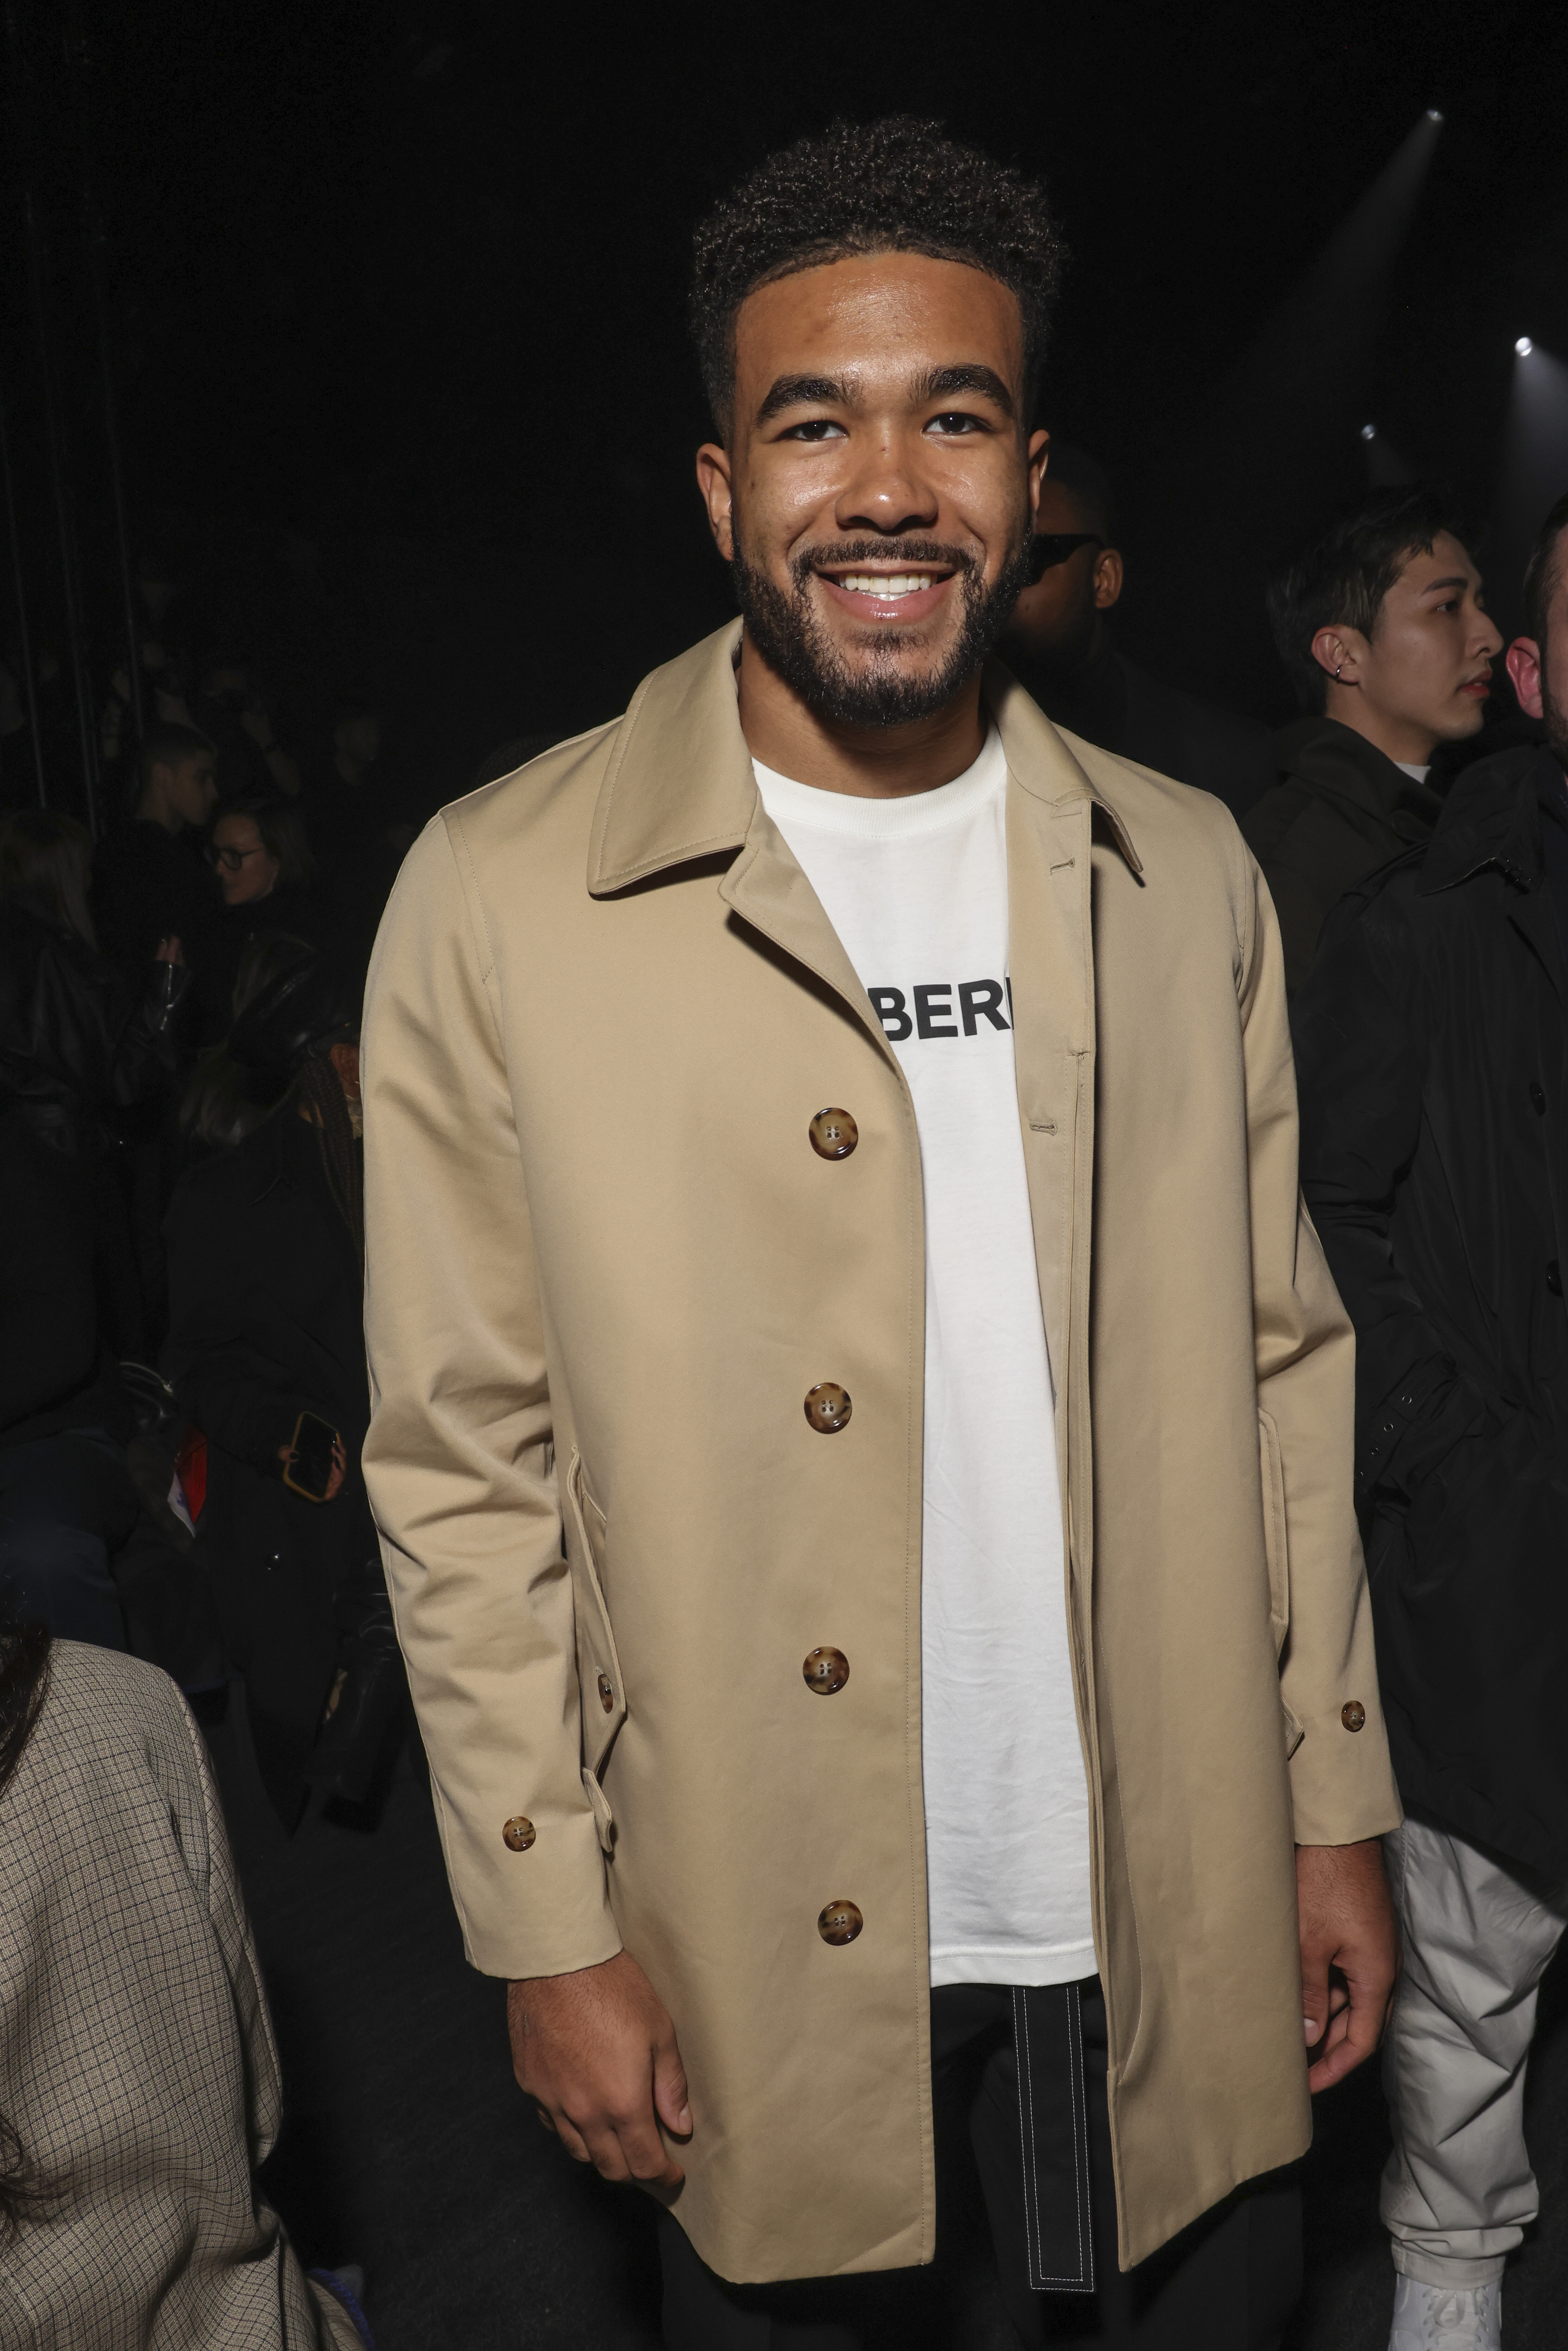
[[868, 583]]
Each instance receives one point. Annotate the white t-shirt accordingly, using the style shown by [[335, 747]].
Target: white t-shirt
[[917, 890], [1417, 775]]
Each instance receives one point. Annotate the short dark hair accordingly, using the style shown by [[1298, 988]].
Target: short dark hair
[[283, 835], [1543, 573], [1343, 576], [170, 745], [898, 185], [1087, 484]]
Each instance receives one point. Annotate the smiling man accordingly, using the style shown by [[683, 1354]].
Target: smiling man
[[862, 1429], [1384, 631]]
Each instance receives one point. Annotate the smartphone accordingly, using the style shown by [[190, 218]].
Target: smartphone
[[310, 1471]]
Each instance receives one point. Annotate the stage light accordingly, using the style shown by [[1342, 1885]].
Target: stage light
[[1524, 347], [1434, 114], [1369, 431]]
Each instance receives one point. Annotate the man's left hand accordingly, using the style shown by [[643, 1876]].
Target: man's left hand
[[1346, 1923]]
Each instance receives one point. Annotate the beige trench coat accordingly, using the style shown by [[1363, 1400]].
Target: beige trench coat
[[604, 1267]]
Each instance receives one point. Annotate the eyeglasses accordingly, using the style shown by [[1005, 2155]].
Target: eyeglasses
[[231, 860], [1053, 547]]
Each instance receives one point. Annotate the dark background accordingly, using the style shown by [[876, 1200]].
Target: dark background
[[395, 298]]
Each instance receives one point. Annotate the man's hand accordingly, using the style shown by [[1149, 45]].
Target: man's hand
[[1346, 1923], [596, 2052]]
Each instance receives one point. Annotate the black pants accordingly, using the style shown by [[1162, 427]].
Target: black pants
[[1229, 2282]]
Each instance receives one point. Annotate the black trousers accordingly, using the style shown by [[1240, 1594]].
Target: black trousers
[[1229, 2282]]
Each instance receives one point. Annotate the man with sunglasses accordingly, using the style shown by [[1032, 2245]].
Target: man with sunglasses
[[1059, 645]]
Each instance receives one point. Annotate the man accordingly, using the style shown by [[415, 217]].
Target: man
[[1383, 627], [737, 1080], [150, 882], [1433, 1055], [1059, 645]]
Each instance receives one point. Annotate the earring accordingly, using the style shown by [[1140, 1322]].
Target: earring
[[1341, 666]]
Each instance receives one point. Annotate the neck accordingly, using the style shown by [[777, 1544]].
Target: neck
[[1399, 739], [153, 808], [878, 763]]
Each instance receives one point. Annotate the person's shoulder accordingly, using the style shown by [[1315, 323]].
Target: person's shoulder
[[1156, 805], [103, 1700], [1270, 823], [566, 773]]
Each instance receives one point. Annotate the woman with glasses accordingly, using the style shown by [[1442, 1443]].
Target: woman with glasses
[[261, 855]]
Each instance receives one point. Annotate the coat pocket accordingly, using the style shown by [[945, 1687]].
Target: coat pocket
[[1276, 1538], [1277, 1549], [601, 1691]]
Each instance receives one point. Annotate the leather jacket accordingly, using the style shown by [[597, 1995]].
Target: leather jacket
[[74, 1049]]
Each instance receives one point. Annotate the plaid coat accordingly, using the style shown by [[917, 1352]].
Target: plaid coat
[[137, 2063]]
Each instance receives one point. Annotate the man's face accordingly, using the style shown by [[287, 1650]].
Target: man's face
[[1424, 676], [876, 497], [193, 788], [1056, 621]]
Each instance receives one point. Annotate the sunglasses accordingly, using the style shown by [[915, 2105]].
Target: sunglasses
[[1053, 547]]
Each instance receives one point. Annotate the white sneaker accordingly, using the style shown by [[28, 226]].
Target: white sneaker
[[1445, 2318]]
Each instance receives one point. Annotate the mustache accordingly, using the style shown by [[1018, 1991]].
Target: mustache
[[960, 561]]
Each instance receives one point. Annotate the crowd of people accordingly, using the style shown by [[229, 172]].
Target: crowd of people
[[184, 1402]]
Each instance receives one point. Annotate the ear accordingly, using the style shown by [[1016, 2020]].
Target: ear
[[1338, 652], [717, 488], [1522, 662], [1039, 458], [1108, 578]]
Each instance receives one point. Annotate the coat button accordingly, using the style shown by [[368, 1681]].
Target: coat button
[[1353, 1716], [840, 1922], [827, 1406], [518, 1834], [826, 1671], [606, 1694], [833, 1133], [1555, 1278], [1538, 1098]]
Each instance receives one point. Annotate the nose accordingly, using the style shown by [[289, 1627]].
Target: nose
[[885, 492]]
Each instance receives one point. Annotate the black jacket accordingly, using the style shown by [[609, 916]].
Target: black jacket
[[75, 1044], [1119, 708], [1339, 810], [266, 1321], [1432, 1059]]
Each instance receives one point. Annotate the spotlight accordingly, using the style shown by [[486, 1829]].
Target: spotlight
[[1434, 114], [1369, 431], [1524, 347]]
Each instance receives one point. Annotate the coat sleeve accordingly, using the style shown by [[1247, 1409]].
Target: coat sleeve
[[459, 1459], [1342, 1782], [1359, 1061]]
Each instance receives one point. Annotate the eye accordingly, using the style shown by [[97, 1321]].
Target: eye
[[958, 420], [815, 428]]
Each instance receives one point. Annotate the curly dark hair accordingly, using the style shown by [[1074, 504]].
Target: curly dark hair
[[899, 185]]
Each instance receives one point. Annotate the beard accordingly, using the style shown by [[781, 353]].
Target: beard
[[876, 691]]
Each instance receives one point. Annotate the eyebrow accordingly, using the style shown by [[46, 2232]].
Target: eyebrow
[[796, 391], [839, 392], [942, 383], [1458, 581]]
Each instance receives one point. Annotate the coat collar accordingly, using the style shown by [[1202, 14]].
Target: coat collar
[[1337, 763], [680, 785], [1494, 819]]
